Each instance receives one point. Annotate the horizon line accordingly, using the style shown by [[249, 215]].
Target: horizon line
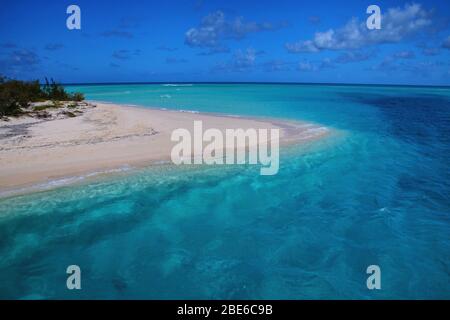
[[255, 82]]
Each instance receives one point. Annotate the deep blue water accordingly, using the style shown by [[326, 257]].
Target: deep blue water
[[376, 192]]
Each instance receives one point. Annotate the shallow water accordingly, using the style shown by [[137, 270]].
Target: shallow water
[[376, 193]]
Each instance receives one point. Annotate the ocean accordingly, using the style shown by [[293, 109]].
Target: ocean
[[377, 192]]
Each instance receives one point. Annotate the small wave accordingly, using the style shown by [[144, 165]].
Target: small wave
[[62, 181], [189, 111], [116, 170], [317, 129], [313, 132], [165, 96], [162, 162], [177, 85]]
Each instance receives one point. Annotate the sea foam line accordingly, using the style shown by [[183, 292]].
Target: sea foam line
[[61, 182]]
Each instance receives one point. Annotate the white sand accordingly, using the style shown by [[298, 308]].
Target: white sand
[[110, 136]]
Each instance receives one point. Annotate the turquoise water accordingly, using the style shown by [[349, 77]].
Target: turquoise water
[[378, 192]]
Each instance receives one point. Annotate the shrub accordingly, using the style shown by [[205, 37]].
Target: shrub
[[44, 107], [15, 94], [54, 91], [77, 96]]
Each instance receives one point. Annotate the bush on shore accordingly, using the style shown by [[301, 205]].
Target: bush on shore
[[16, 95]]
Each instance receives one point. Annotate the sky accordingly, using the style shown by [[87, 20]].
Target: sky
[[227, 41]]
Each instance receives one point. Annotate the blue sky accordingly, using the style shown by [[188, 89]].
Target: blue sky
[[211, 40]]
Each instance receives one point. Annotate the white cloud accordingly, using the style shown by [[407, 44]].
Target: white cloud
[[405, 55], [397, 24], [354, 56], [215, 27], [306, 66], [243, 60]]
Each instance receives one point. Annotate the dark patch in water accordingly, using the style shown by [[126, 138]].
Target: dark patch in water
[[119, 284], [423, 119]]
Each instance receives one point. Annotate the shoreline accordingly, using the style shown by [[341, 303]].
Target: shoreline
[[111, 138]]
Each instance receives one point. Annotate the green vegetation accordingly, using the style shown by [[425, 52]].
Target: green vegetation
[[44, 107], [55, 104], [69, 114], [16, 95], [78, 96], [72, 105]]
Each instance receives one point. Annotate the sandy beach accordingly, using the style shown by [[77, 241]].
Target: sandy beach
[[107, 136]]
